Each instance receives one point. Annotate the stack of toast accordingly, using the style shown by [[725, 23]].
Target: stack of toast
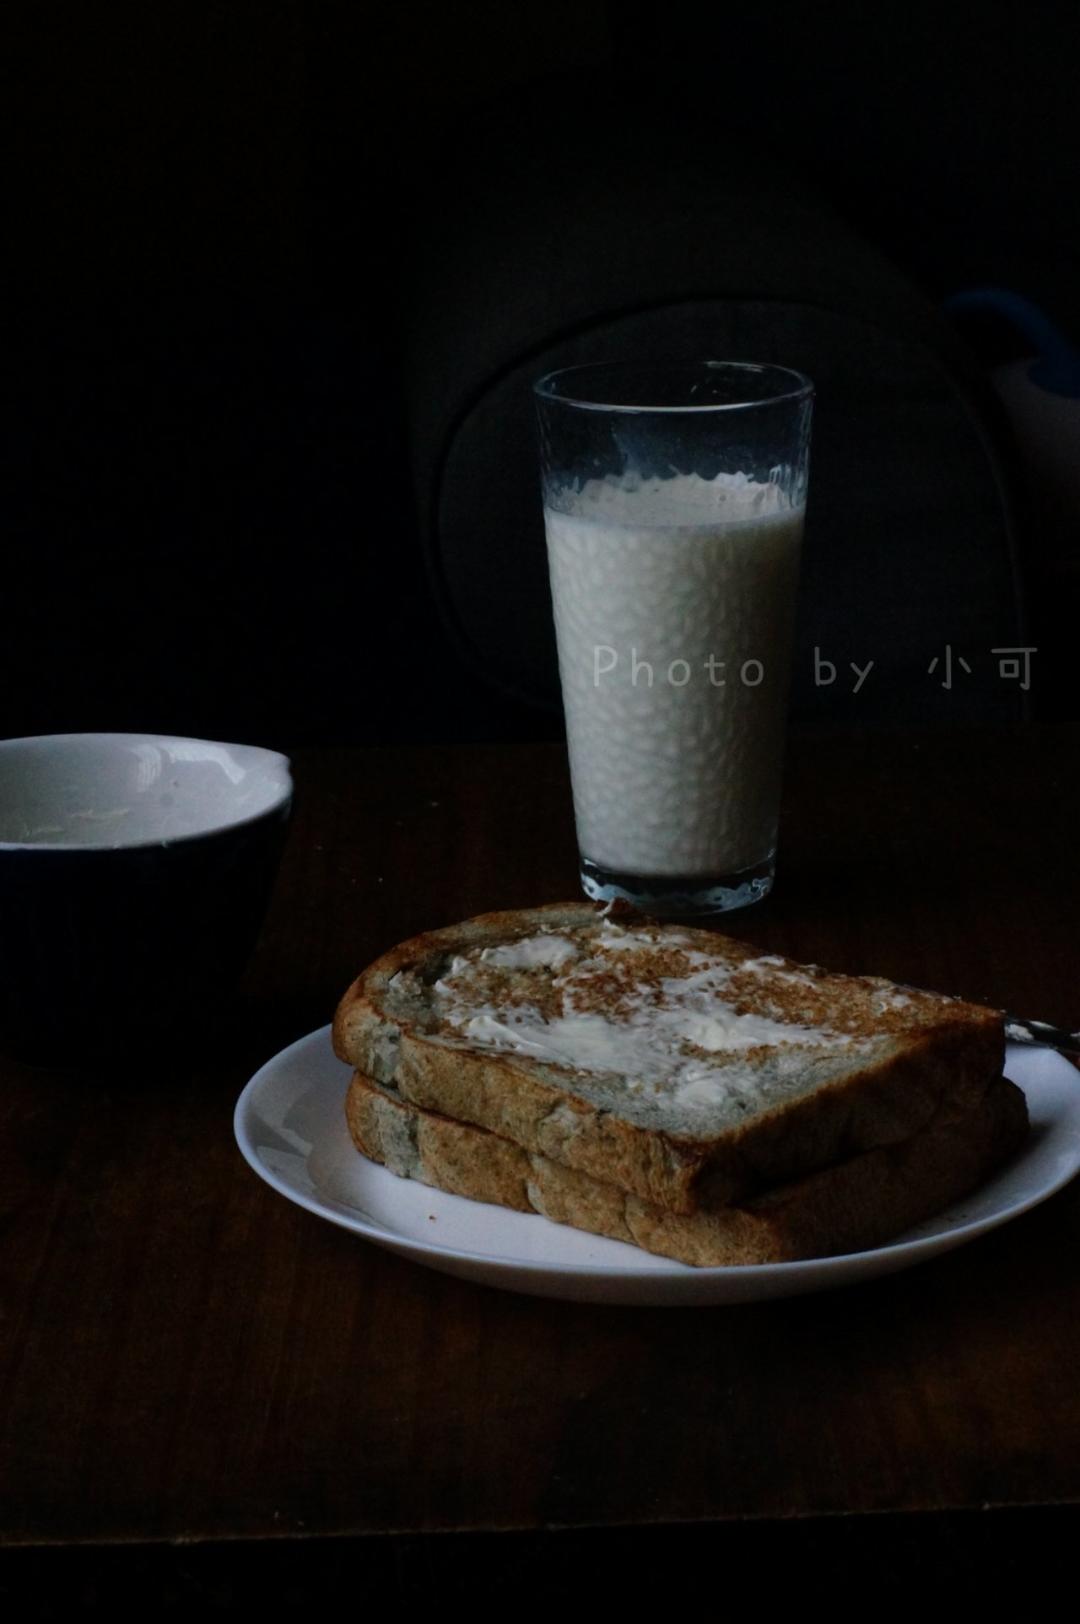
[[672, 1088]]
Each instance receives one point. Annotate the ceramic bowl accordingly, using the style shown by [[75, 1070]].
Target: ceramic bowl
[[135, 870]]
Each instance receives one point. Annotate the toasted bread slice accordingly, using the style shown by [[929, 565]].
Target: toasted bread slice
[[863, 1202], [678, 1064]]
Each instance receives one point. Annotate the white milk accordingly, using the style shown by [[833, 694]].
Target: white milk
[[680, 776]]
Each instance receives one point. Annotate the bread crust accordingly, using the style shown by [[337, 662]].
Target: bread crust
[[860, 1203], [933, 1074]]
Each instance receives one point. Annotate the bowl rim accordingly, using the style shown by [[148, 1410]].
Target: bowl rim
[[274, 759]]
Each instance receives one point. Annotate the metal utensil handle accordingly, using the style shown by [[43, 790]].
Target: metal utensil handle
[[1019, 1030]]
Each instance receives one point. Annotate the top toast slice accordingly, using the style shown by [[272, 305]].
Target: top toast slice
[[679, 1064]]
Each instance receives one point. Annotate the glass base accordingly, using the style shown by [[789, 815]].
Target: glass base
[[677, 897]]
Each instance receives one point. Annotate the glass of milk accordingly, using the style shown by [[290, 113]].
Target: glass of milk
[[674, 497]]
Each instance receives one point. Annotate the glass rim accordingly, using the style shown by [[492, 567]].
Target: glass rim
[[550, 387]]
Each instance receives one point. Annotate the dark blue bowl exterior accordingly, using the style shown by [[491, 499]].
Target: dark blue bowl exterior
[[106, 953]]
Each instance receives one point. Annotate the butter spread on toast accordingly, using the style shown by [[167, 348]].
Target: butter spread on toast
[[650, 1005]]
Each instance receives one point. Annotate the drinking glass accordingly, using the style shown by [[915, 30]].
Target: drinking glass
[[674, 497]]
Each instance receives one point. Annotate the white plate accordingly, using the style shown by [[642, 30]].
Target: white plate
[[290, 1126]]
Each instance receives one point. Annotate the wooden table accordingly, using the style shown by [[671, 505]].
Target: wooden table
[[188, 1361]]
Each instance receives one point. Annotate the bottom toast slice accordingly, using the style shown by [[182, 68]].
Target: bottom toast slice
[[848, 1207]]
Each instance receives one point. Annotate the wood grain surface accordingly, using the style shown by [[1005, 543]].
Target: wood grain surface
[[186, 1356]]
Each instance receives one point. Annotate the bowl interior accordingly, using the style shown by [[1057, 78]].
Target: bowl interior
[[87, 790]]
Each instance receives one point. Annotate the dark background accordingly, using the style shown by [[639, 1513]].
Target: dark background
[[222, 217]]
